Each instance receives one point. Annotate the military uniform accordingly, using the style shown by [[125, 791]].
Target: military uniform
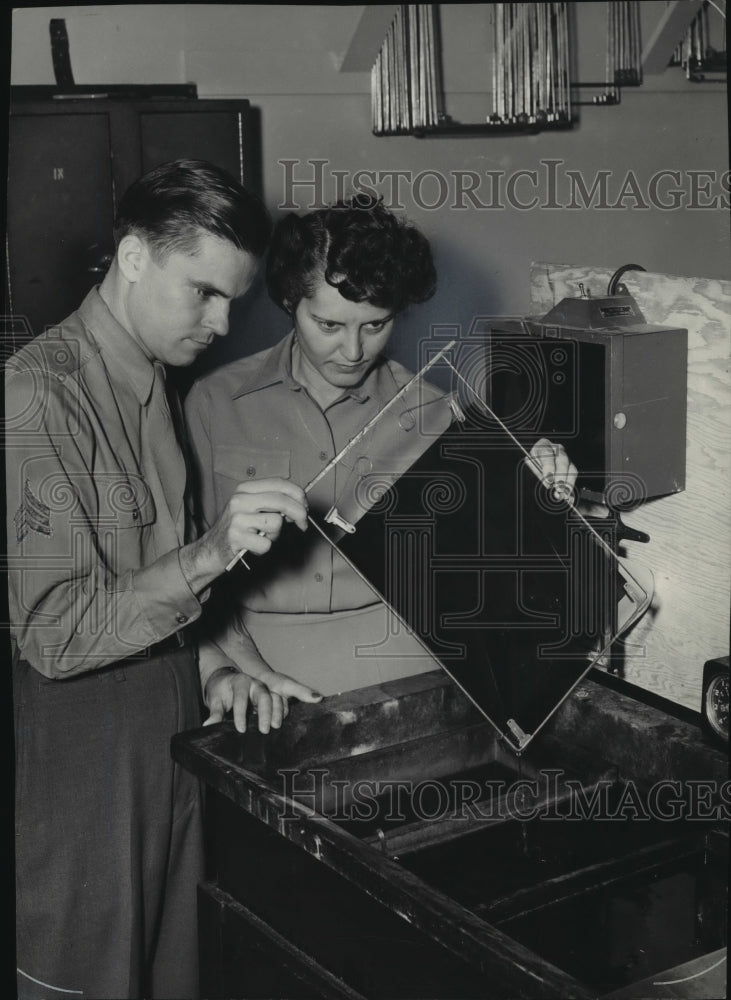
[[108, 831], [305, 610]]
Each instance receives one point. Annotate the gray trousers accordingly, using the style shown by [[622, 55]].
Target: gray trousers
[[108, 832]]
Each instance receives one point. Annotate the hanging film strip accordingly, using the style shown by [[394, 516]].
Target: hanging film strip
[[697, 53], [531, 86], [623, 66], [405, 84], [531, 82]]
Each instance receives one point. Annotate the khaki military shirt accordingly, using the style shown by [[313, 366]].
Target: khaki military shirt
[[94, 574], [251, 419]]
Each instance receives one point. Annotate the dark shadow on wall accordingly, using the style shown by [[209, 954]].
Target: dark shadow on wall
[[462, 297]]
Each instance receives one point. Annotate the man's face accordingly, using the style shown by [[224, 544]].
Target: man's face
[[178, 305]]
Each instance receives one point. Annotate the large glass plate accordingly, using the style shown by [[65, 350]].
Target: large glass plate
[[513, 591]]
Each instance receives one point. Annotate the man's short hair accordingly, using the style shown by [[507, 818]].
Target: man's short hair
[[171, 204]]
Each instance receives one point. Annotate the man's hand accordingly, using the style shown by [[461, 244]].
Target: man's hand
[[251, 520], [553, 467], [229, 689]]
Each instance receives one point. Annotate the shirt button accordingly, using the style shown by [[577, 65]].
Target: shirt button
[[180, 618], [251, 471], [319, 577], [135, 515]]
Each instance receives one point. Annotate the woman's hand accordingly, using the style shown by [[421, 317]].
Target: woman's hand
[[229, 689], [553, 467]]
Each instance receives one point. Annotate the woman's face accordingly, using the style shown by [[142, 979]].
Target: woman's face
[[340, 340]]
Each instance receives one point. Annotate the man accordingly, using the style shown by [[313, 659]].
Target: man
[[102, 586]]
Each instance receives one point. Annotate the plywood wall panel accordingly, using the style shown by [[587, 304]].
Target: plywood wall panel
[[690, 533]]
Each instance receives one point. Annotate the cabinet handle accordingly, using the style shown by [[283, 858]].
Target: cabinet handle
[[102, 265]]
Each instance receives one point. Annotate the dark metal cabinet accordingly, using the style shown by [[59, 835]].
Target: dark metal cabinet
[[69, 162], [240, 952]]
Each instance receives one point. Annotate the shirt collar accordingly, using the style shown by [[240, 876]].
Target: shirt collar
[[123, 357], [276, 369]]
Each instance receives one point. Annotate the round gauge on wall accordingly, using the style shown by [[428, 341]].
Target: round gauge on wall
[[715, 699]]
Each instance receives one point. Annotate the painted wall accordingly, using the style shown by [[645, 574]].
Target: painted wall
[[689, 551], [286, 59]]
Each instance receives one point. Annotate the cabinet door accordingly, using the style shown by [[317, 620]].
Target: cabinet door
[[60, 213], [241, 956], [196, 134], [67, 165]]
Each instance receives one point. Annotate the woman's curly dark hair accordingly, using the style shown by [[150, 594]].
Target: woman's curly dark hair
[[359, 247]]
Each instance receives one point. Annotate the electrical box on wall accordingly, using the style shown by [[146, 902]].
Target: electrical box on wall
[[612, 388]]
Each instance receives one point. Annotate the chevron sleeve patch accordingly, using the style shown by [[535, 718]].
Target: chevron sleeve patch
[[32, 515]]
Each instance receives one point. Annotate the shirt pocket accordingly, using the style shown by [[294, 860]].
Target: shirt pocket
[[124, 501], [234, 464]]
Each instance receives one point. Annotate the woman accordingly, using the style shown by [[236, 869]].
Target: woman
[[342, 274]]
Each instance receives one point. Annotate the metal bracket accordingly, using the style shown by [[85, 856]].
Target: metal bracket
[[518, 733], [456, 409], [333, 517]]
